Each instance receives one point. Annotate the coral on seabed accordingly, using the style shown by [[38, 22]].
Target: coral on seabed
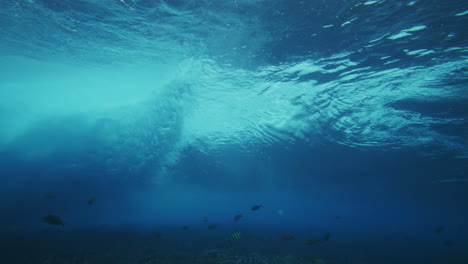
[[319, 261], [231, 257], [213, 256]]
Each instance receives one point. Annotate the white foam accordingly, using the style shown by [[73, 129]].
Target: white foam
[[370, 2], [399, 35], [419, 52], [348, 22], [462, 13], [404, 32], [415, 28]]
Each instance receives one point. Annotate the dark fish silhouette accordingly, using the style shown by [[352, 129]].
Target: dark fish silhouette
[[212, 226], [53, 220], [235, 236], [439, 229], [256, 207], [238, 217], [91, 200], [287, 236], [327, 236], [449, 243], [338, 217], [50, 195], [205, 219], [311, 241], [157, 235], [185, 228]]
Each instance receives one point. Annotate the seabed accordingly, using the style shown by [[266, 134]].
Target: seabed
[[78, 247]]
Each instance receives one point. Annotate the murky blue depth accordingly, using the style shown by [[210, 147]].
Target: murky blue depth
[[234, 131]]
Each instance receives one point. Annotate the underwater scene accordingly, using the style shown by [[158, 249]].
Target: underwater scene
[[233, 131]]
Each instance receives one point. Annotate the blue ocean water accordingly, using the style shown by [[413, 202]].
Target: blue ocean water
[[146, 126]]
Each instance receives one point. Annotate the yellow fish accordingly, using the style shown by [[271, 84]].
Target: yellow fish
[[236, 236]]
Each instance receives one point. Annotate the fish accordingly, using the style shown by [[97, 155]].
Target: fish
[[91, 200], [50, 195], [235, 236], [449, 243], [53, 220], [205, 219], [185, 228], [338, 217], [212, 226], [439, 229], [256, 207], [238, 217], [327, 236], [287, 236], [311, 241], [157, 235]]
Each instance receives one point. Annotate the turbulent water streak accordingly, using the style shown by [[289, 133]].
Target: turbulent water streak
[[289, 101]]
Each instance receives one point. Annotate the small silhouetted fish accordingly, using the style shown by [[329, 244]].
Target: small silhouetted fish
[[235, 236], [256, 207], [91, 200], [238, 217], [327, 236], [212, 226], [50, 195], [287, 236], [185, 228], [338, 217], [53, 220], [311, 241], [157, 235], [439, 229], [449, 243], [205, 219]]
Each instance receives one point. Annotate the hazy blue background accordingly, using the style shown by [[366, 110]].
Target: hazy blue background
[[168, 111]]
